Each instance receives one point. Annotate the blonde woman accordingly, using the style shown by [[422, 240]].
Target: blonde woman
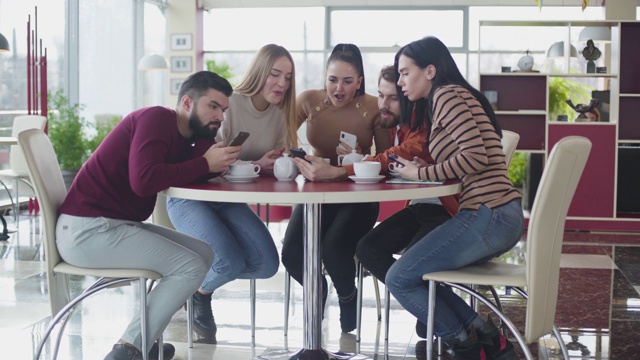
[[262, 104]]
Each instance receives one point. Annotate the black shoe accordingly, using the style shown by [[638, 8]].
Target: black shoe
[[168, 351], [349, 312], [470, 349], [421, 350], [124, 352], [497, 347], [203, 321]]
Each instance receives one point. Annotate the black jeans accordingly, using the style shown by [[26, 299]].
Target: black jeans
[[341, 226], [401, 230]]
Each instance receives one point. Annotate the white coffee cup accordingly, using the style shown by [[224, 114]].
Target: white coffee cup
[[243, 169], [367, 169]]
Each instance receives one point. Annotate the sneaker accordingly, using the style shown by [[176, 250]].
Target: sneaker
[[497, 347], [124, 352], [203, 322], [168, 351], [349, 312]]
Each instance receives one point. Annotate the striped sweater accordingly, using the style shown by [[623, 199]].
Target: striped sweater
[[466, 146]]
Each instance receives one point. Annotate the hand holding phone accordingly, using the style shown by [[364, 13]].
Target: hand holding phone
[[299, 153], [239, 139], [348, 139], [395, 164]]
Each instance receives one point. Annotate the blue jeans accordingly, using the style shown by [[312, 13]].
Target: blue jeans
[[243, 246], [470, 237]]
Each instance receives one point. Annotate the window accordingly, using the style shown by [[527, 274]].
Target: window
[[388, 27]]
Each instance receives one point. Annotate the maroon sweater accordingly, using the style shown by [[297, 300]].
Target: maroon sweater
[[143, 155]]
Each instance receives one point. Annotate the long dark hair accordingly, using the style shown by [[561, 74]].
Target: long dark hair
[[431, 51], [350, 54]]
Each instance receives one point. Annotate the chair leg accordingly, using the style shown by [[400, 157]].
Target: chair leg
[[378, 302], [67, 309], [252, 292], [17, 203], [287, 296], [387, 310], [190, 322], [431, 310], [563, 346], [143, 319], [505, 320], [359, 301]]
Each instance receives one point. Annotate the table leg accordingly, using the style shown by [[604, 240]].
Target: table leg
[[311, 297]]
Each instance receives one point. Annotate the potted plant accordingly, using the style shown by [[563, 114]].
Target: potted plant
[[70, 134]]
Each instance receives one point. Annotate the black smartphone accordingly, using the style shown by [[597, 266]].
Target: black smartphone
[[239, 139], [299, 153]]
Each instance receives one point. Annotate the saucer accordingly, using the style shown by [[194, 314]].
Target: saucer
[[366, 180], [241, 178]]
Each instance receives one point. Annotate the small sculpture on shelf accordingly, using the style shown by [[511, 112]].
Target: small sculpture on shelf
[[526, 62], [591, 53], [586, 113]]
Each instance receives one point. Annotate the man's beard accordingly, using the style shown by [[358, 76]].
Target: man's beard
[[388, 123], [202, 130]]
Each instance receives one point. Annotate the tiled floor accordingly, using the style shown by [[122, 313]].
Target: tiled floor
[[598, 308]]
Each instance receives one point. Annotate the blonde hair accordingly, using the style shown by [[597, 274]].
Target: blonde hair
[[256, 77]]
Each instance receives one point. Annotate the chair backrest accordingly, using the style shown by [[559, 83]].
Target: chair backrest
[[509, 143], [46, 178], [560, 178], [160, 215], [20, 124]]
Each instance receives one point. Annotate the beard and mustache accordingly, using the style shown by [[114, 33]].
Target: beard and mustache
[[201, 130], [389, 122]]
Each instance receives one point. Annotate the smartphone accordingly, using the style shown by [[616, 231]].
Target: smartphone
[[349, 139], [239, 139], [299, 153], [394, 158]]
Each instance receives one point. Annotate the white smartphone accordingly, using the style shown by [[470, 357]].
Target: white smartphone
[[349, 139]]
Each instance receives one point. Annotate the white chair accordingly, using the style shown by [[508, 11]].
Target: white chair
[[44, 173], [510, 141], [18, 171], [540, 273]]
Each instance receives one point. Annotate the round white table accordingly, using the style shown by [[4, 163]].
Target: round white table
[[311, 194]]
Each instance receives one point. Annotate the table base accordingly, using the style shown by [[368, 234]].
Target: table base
[[306, 354]]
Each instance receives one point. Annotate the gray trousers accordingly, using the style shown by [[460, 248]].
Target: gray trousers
[[182, 260]]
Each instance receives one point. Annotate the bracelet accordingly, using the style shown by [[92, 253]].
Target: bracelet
[[419, 178]]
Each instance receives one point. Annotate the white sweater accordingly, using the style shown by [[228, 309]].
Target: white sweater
[[267, 129]]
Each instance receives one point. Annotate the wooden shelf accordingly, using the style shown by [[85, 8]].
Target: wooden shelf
[[523, 101], [520, 112], [601, 75]]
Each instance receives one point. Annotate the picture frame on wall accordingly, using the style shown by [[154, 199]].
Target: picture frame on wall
[[181, 64], [181, 42], [175, 86]]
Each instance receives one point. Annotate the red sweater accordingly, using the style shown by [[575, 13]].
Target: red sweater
[[143, 155]]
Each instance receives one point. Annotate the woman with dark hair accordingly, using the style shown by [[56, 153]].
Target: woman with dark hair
[[341, 106], [465, 142]]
